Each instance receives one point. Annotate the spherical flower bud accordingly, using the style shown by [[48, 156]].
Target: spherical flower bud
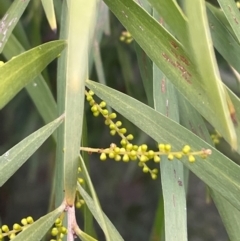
[[103, 157], [17, 227], [118, 123], [178, 155], [154, 176], [96, 114], [168, 147], [125, 158], [129, 146], [123, 130], [123, 142], [5, 228], [113, 132], [90, 92], [12, 236], [77, 205], [117, 158], [144, 147], [112, 115], [54, 232], [145, 169], [94, 108], [186, 149], [103, 104], [24, 221], [105, 112], [130, 137], [170, 157], [191, 158], [161, 147], [157, 159], [63, 230]]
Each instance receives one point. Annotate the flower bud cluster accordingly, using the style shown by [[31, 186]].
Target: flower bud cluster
[[126, 37], [216, 137], [130, 152], [11, 234], [58, 231]]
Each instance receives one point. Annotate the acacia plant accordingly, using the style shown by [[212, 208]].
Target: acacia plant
[[175, 43]]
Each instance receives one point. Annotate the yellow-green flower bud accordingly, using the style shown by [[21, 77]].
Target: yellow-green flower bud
[[123, 142], [130, 137], [103, 104], [186, 149], [161, 147], [145, 169], [54, 232], [191, 158], [125, 158], [5, 228], [12, 236], [123, 130], [94, 108], [156, 159], [77, 205], [24, 221], [17, 227], [117, 158], [118, 123], [144, 147], [105, 112], [113, 132], [103, 157], [112, 115], [151, 154], [154, 176], [58, 222], [96, 114], [170, 157], [168, 147], [178, 155], [129, 147], [143, 158], [90, 92]]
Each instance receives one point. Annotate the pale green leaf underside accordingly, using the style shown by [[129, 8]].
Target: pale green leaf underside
[[14, 158], [217, 171], [19, 71], [10, 19], [39, 228]]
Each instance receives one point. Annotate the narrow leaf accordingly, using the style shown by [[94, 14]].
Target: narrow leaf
[[39, 228], [232, 14], [50, 13], [10, 19], [19, 71], [202, 50], [217, 171], [113, 233], [14, 158], [38, 89]]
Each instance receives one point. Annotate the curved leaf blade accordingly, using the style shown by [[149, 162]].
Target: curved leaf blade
[[50, 13], [14, 158], [113, 233], [19, 71]]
